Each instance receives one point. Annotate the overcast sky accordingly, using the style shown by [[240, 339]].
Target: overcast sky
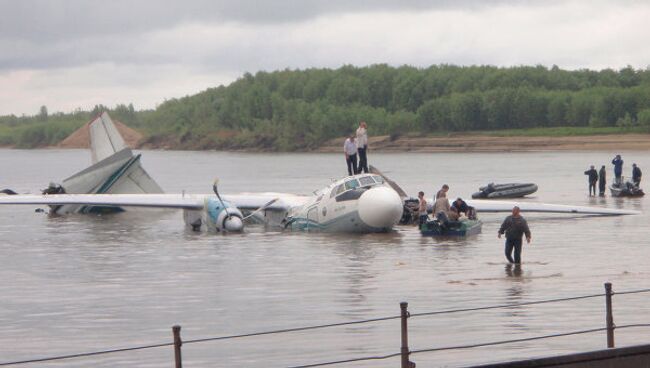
[[68, 54]]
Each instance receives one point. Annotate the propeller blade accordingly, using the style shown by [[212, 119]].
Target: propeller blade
[[265, 206], [392, 184]]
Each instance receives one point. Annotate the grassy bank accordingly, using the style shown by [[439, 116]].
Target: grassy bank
[[557, 131], [37, 134]]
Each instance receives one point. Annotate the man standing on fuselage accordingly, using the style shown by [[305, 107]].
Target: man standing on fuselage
[[514, 226], [350, 150], [362, 146]]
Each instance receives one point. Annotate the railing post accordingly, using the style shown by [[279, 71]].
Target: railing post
[[405, 336], [177, 346], [609, 317]]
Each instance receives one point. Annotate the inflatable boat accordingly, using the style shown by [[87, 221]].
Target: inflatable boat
[[510, 190], [626, 190], [453, 228]]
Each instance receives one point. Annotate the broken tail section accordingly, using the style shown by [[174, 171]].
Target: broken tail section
[[115, 169]]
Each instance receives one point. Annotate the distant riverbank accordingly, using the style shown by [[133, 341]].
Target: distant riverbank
[[514, 140], [501, 143]]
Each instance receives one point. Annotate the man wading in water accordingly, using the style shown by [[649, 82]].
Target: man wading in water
[[514, 226]]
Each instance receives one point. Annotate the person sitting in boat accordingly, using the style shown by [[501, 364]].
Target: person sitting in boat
[[460, 206], [471, 213], [636, 175], [618, 169], [453, 214], [448, 219]]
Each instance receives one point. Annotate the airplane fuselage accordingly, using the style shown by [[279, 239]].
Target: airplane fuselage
[[361, 203]]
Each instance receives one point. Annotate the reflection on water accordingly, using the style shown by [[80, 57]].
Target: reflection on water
[[82, 283]]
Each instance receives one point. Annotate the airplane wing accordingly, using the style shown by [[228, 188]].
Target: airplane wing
[[253, 201], [186, 201], [506, 206], [245, 201]]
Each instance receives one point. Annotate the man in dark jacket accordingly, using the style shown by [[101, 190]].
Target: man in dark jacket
[[618, 168], [460, 205], [592, 178], [602, 181], [636, 175], [514, 226]]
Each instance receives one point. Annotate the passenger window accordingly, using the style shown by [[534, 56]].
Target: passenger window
[[378, 179], [351, 184], [366, 180]]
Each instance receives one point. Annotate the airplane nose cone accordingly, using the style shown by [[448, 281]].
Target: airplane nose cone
[[380, 207], [233, 223]]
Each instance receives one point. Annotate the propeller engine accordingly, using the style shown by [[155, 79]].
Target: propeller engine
[[222, 215]]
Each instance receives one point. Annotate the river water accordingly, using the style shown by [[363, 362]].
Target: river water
[[85, 283]]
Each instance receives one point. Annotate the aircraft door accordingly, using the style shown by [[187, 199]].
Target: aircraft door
[[312, 216]]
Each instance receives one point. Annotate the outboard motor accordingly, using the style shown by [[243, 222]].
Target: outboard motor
[[410, 213]]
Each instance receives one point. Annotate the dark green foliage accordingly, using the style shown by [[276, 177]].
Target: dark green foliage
[[301, 109]]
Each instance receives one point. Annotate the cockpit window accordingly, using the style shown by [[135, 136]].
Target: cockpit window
[[378, 179], [366, 180], [337, 190], [351, 184]]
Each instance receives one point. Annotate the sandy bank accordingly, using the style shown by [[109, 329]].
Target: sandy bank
[[482, 143], [81, 137]]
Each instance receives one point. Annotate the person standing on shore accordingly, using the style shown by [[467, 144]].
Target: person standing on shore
[[362, 147], [593, 179], [618, 169], [350, 151], [602, 181], [514, 226]]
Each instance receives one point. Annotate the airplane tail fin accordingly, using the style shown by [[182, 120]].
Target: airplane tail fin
[[115, 170], [105, 140]]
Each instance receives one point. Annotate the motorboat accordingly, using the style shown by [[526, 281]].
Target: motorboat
[[509, 190], [465, 227], [628, 189]]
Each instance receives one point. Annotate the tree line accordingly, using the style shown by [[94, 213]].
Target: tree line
[[301, 109]]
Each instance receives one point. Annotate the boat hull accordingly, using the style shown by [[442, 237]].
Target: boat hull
[[626, 191], [462, 228], [511, 190]]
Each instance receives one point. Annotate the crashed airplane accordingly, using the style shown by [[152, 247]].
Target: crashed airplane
[[114, 170]]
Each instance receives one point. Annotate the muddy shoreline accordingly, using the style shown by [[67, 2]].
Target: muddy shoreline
[[483, 143], [451, 143]]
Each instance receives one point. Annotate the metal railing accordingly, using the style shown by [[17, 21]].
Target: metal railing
[[405, 352]]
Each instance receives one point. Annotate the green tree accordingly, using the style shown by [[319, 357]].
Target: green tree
[[42, 114]]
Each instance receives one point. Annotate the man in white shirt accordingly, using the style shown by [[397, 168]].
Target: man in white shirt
[[362, 144], [350, 150]]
